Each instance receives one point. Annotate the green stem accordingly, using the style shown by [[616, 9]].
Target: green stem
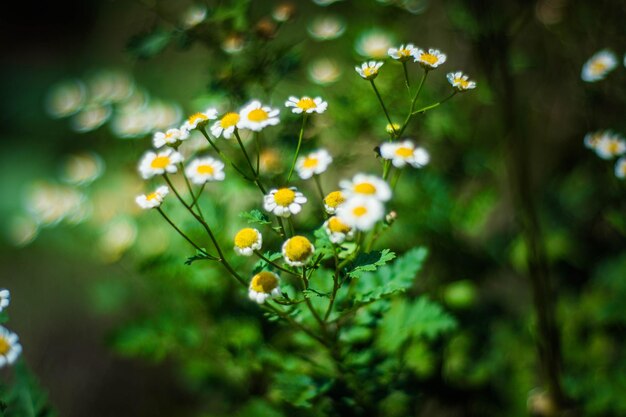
[[180, 232], [415, 97], [335, 285], [406, 77], [318, 184], [382, 104], [223, 155], [432, 106], [294, 323], [245, 154], [193, 199], [275, 265], [314, 312], [295, 157], [395, 179]]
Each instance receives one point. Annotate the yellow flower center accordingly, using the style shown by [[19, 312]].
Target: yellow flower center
[[229, 120], [404, 53], [258, 115], [623, 169], [334, 199], [5, 346], [298, 248], [152, 196], [264, 282], [336, 226], [429, 58], [598, 67], [197, 118], [160, 162], [310, 162], [169, 135], [404, 152], [370, 71], [364, 188], [205, 170], [461, 82], [359, 211], [245, 238], [284, 196], [306, 103]]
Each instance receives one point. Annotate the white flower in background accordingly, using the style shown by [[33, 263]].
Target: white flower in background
[[333, 200], [5, 299], [169, 138], [49, 204], [404, 153], [264, 285], [297, 251], [193, 16], [403, 53], [324, 71], [429, 60], [592, 139], [620, 168], [154, 199], [360, 212], [199, 119], [369, 70], [226, 125], [610, 146], [366, 185], [156, 164], [598, 66], [326, 28], [201, 170], [66, 98], [82, 168], [248, 240], [314, 163], [255, 116], [337, 231], [90, 118], [374, 44], [306, 104], [284, 202], [460, 81], [10, 347]]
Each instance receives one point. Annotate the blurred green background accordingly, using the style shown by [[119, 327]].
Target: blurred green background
[[113, 323]]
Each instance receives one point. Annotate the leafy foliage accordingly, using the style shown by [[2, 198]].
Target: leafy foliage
[[255, 217]]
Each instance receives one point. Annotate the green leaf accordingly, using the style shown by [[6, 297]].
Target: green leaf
[[199, 256], [261, 264], [323, 245], [147, 45], [255, 217], [407, 319], [368, 262], [296, 389]]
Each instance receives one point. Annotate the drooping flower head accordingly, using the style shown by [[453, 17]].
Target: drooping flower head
[[369, 70], [403, 53], [226, 125], [156, 164], [201, 170], [248, 240], [169, 138], [284, 202], [297, 250], [460, 81], [404, 153], [314, 163], [361, 212], [10, 347], [333, 200], [598, 66], [255, 116], [368, 186], [429, 60], [5, 299], [264, 285], [306, 104], [199, 119], [337, 231], [154, 199]]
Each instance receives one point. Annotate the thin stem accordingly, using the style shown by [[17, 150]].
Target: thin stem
[[406, 77], [395, 179], [257, 141], [245, 154], [335, 285], [386, 169], [180, 232], [432, 106], [223, 155], [382, 104], [314, 312], [292, 229], [193, 199], [318, 184], [415, 97], [275, 265], [295, 157], [300, 326]]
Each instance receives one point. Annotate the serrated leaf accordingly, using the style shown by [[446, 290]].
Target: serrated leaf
[[297, 389], [255, 217], [368, 262], [323, 245], [200, 257]]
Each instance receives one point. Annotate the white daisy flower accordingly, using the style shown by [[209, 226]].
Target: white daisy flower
[[333, 200], [460, 81], [403, 53], [610, 146], [369, 70], [324, 71], [306, 104], [5, 299], [314, 163], [403, 153], [366, 185], [264, 285], [199, 119], [598, 66], [429, 60], [284, 202], [155, 164], [154, 199], [297, 250], [10, 347], [226, 125], [169, 138], [194, 15], [592, 139], [374, 44], [201, 170], [360, 212], [248, 240], [620, 168], [337, 231], [255, 116], [326, 28]]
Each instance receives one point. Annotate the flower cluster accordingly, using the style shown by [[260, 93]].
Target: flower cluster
[[608, 145], [10, 347]]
